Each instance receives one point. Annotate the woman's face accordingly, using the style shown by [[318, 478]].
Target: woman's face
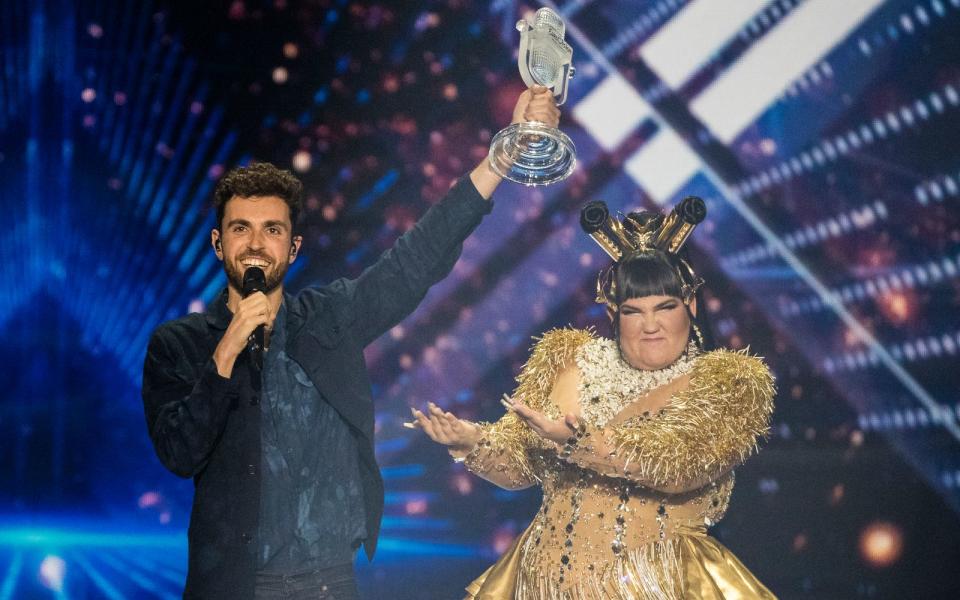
[[654, 330]]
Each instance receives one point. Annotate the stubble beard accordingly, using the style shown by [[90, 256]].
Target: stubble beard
[[274, 277]]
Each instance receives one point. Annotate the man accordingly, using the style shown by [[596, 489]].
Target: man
[[286, 484]]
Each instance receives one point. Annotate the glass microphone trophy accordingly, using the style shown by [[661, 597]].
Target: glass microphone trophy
[[533, 153]]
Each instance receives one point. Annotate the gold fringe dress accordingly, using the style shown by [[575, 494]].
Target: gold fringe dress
[[604, 531]]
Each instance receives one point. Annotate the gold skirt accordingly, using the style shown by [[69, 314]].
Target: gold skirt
[[690, 566]]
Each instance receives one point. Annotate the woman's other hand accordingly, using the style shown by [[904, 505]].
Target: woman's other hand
[[445, 428], [557, 431]]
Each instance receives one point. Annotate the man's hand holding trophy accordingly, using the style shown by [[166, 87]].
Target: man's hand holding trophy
[[534, 153]]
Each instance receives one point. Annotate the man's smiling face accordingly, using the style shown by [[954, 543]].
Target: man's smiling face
[[256, 232]]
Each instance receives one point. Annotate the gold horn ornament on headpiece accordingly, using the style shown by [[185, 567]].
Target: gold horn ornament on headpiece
[[643, 232]]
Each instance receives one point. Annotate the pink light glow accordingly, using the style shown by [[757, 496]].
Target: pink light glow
[[416, 507], [463, 483], [149, 499], [502, 540]]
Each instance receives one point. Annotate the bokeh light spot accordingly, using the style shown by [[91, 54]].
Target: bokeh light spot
[[53, 570], [881, 544], [302, 161]]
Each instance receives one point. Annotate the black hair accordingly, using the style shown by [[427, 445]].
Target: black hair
[[651, 273]]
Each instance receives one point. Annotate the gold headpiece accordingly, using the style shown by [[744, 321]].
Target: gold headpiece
[[643, 232]]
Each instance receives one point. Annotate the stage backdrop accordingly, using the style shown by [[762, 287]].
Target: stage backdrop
[[822, 135]]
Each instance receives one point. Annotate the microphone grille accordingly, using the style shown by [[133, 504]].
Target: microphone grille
[[253, 280], [548, 19], [544, 66]]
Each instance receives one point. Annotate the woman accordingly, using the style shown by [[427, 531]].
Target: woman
[[633, 440]]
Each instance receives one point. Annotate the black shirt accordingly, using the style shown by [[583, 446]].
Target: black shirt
[[311, 504]]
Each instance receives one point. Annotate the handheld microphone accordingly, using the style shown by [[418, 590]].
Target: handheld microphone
[[255, 281]]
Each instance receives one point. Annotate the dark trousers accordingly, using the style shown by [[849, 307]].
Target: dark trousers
[[329, 583]]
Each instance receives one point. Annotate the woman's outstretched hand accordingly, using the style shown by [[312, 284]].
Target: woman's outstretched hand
[[557, 431], [445, 428]]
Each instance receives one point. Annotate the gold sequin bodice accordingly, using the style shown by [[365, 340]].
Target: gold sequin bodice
[[588, 523]]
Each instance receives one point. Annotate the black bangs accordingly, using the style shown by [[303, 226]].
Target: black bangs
[[646, 274]]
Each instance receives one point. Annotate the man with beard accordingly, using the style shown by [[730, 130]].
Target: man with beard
[[287, 488]]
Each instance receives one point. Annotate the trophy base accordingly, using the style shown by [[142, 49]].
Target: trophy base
[[532, 154]]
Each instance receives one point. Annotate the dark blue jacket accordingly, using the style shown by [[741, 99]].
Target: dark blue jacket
[[207, 427]]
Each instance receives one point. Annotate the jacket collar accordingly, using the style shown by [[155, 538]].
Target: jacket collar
[[217, 314]]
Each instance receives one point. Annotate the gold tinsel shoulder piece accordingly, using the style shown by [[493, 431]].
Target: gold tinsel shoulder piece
[[712, 425], [552, 352]]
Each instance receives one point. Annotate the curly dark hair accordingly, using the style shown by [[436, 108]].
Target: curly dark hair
[[259, 179]]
